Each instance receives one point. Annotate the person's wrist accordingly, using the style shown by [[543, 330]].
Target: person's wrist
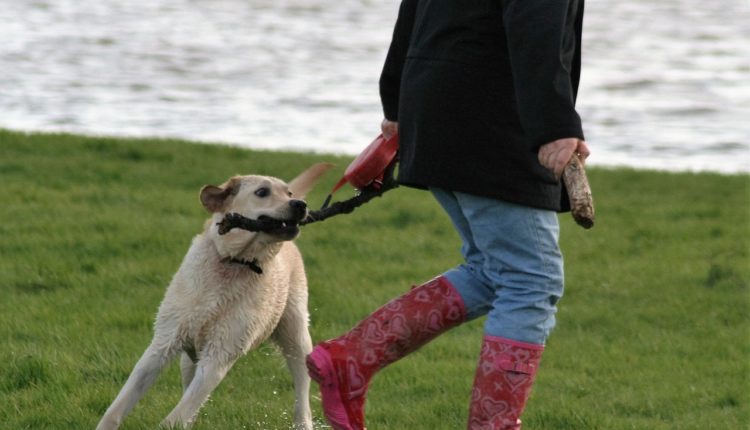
[[389, 128]]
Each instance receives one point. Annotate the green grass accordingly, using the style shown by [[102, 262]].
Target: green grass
[[652, 334]]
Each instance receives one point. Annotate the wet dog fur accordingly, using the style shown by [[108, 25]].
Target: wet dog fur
[[231, 293]]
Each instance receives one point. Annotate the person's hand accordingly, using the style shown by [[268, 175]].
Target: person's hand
[[557, 154], [389, 128]]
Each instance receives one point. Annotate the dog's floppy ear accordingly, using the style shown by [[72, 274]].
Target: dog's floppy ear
[[305, 181], [214, 198]]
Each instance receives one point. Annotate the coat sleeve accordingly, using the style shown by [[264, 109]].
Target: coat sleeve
[[544, 49], [390, 78]]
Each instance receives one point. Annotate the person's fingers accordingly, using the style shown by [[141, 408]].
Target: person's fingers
[[565, 148], [583, 150], [557, 154]]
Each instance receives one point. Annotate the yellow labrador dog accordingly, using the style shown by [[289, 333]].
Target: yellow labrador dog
[[231, 293]]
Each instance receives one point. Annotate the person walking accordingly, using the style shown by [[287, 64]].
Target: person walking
[[482, 94]]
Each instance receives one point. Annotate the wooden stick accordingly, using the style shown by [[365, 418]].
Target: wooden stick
[[579, 193]]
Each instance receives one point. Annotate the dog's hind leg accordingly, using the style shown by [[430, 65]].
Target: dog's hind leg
[[140, 380], [208, 373], [187, 369], [293, 338]]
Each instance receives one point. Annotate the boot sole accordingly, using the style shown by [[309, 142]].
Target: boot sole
[[321, 370]]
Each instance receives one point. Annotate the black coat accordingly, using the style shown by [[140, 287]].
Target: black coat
[[477, 86]]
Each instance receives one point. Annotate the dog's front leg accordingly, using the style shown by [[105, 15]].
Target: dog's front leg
[[208, 373], [295, 354], [140, 380], [293, 338]]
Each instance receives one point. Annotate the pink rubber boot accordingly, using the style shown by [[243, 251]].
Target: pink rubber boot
[[344, 366], [502, 384]]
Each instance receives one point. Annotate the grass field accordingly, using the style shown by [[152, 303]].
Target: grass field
[[653, 333]]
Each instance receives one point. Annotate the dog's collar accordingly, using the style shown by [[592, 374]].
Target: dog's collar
[[253, 265]]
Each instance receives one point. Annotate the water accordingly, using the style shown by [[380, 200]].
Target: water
[[665, 84]]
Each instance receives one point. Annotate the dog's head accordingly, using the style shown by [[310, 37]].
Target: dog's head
[[263, 198]]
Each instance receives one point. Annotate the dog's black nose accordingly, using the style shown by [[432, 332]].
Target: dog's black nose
[[298, 204], [299, 207]]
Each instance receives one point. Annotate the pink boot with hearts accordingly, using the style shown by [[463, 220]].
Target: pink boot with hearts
[[344, 366], [503, 383]]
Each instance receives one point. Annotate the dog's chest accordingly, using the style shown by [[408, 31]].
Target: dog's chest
[[222, 315]]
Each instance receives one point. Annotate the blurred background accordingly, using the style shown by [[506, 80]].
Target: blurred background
[[665, 84]]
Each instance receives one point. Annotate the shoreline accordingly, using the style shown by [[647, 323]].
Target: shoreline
[[151, 138]]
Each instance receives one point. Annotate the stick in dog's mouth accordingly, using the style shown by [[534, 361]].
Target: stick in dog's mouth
[[262, 224], [279, 226]]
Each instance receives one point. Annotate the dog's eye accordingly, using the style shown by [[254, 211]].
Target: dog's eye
[[262, 192], [289, 193]]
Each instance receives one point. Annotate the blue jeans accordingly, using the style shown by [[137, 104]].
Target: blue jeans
[[513, 270]]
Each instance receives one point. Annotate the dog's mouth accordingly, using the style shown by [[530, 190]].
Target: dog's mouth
[[278, 227]]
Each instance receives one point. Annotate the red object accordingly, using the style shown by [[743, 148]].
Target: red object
[[345, 365], [370, 165], [502, 383]]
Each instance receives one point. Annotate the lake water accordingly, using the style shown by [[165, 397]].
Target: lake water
[[666, 84]]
